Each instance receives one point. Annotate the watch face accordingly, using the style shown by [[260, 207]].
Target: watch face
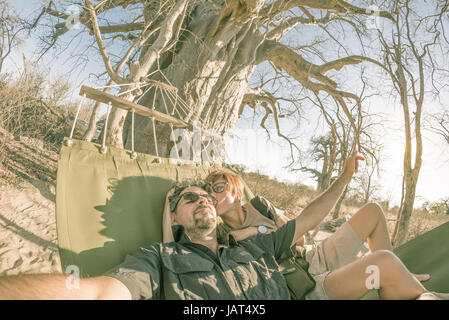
[[262, 229]]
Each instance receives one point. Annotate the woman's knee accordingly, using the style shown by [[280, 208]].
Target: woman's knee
[[375, 210], [389, 265], [384, 257]]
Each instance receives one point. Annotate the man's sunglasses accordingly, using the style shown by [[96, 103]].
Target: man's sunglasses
[[192, 197], [219, 187]]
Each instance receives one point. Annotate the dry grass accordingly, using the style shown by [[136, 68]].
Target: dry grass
[[290, 197], [26, 111], [26, 159], [422, 222], [33, 122]]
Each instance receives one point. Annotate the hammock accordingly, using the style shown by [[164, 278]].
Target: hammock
[[109, 204], [109, 201]]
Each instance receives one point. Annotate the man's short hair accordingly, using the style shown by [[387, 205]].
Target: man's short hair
[[179, 187]]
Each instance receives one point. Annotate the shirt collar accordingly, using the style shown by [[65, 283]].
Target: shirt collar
[[179, 234], [181, 237]]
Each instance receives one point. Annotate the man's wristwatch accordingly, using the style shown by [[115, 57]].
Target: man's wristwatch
[[261, 230]]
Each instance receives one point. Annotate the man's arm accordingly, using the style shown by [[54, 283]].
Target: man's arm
[[52, 287], [320, 207]]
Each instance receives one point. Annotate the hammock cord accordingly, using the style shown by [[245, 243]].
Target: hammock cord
[[76, 116], [133, 153], [154, 124], [174, 140], [103, 146], [155, 138], [171, 125], [165, 93]]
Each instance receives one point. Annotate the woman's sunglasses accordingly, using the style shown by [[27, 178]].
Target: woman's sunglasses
[[192, 197], [219, 187]]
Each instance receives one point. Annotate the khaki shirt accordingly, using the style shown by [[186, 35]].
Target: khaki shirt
[[253, 218], [185, 270]]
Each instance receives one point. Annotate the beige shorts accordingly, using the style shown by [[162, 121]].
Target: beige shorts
[[340, 249]]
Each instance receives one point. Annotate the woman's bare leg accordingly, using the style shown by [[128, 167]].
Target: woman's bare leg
[[395, 281], [371, 226]]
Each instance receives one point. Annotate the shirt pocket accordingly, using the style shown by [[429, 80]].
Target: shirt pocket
[[255, 256], [258, 279], [188, 277]]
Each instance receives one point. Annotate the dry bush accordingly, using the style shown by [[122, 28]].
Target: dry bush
[[26, 111], [353, 200], [33, 123], [422, 221], [290, 197], [85, 110]]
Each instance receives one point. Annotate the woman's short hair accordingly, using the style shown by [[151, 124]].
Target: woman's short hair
[[235, 183]]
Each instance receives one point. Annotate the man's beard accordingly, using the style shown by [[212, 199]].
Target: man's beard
[[203, 224]]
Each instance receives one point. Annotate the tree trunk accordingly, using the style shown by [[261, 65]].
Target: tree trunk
[[211, 81], [369, 188], [401, 231], [114, 133], [92, 128], [411, 174], [323, 179]]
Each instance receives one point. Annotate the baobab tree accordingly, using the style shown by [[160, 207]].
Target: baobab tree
[[324, 151], [206, 51]]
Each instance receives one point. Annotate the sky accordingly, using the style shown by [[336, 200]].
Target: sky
[[251, 148]]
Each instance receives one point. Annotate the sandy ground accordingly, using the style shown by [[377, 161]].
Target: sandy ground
[[28, 240]]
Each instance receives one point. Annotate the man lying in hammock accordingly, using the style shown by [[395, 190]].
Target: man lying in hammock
[[333, 264]]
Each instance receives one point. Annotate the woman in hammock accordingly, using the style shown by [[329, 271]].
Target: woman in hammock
[[336, 259]]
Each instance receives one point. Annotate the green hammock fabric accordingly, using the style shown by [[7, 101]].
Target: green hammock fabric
[[109, 204], [429, 253]]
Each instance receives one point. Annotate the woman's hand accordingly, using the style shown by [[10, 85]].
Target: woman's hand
[[242, 234], [169, 194], [167, 233], [352, 164]]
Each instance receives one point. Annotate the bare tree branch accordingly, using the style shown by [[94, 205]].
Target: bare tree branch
[[279, 6], [288, 24], [106, 59]]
